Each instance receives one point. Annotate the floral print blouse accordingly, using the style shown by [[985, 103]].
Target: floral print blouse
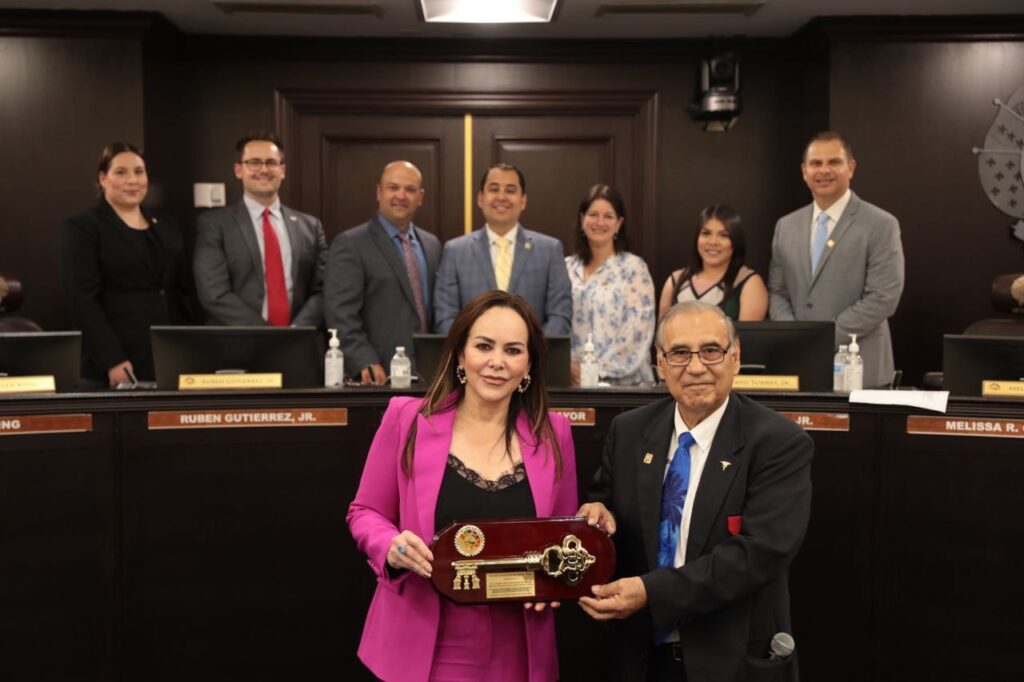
[[616, 305]]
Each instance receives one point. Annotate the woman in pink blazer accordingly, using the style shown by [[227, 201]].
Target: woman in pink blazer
[[481, 444]]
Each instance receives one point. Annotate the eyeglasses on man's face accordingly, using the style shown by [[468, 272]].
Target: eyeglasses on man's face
[[256, 164], [708, 355]]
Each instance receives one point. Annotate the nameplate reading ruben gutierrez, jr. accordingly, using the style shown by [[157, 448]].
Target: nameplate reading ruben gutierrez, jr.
[[235, 419]]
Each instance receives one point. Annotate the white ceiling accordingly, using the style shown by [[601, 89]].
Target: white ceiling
[[575, 18]]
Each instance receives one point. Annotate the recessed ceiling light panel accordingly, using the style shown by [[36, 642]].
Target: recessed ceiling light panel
[[488, 11]]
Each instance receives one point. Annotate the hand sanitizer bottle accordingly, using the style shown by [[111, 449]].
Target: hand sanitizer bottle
[[589, 371], [401, 369], [838, 367], [334, 363], [853, 372]]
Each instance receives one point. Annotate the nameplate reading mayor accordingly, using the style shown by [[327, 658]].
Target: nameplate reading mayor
[[578, 416], [234, 419], [21, 425], [984, 427]]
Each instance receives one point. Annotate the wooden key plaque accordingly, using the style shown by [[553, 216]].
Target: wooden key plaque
[[479, 562]]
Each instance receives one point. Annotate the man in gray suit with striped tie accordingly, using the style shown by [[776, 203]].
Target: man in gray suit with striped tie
[[839, 259], [380, 275], [504, 255]]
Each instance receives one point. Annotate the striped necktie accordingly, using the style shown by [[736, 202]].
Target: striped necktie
[[503, 263]]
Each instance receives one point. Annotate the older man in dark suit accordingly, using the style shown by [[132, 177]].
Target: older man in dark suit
[[259, 262], [380, 277], [709, 496]]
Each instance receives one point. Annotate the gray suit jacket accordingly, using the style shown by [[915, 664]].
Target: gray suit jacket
[[857, 284], [368, 297], [229, 269], [538, 275]]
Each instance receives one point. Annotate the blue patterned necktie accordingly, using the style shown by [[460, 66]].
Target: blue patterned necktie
[[673, 499], [820, 237]]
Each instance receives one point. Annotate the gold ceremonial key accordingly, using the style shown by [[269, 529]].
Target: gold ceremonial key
[[568, 562]]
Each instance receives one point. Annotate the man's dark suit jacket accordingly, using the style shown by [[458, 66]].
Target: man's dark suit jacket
[[368, 297], [229, 267], [749, 519], [113, 292]]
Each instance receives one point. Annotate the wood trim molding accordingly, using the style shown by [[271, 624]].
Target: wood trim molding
[[291, 104]]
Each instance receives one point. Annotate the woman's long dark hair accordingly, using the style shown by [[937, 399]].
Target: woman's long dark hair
[[728, 216], [446, 391], [612, 196]]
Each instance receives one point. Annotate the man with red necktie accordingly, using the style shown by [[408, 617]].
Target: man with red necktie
[[258, 262]]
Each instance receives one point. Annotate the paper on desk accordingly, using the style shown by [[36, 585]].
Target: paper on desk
[[928, 400]]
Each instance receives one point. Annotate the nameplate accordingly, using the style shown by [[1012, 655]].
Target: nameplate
[[1002, 389], [966, 426], [49, 423], [236, 419], [766, 382], [820, 421], [34, 384], [578, 416], [203, 382]]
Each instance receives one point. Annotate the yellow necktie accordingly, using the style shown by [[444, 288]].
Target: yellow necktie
[[503, 263]]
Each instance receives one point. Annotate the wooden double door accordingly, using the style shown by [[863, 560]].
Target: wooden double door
[[338, 143]]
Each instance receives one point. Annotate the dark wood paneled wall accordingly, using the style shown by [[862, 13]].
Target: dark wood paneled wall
[[61, 101], [913, 103], [913, 111]]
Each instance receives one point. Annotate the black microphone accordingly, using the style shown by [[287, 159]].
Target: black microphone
[[782, 646]]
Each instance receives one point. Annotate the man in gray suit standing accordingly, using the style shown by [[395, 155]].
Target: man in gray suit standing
[[380, 276], [504, 255], [258, 262], [839, 259]]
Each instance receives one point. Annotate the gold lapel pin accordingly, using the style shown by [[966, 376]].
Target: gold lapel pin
[[648, 458], [726, 465], [528, 245], [830, 243]]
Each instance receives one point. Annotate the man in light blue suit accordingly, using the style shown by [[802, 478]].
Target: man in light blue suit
[[504, 255], [839, 258]]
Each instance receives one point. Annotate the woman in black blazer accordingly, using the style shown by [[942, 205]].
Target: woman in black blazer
[[123, 269]]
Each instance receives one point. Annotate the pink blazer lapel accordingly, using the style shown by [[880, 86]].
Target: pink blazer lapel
[[433, 440], [540, 468]]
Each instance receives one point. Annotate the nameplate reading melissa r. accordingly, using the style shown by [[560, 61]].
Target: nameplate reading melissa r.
[[239, 419], [208, 382], [766, 382], [20, 425], [979, 427]]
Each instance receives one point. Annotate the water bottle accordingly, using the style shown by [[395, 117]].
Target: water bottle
[[853, 371], [334, 363], [401, 369], [838, 367], [589, 371]]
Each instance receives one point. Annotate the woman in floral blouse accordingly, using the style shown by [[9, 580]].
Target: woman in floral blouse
[[612, 293]]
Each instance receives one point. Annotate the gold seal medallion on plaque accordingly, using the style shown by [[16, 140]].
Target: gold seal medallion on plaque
[[469, 541]]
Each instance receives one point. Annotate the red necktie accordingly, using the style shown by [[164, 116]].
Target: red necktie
[[278, 313], [412, 268]]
